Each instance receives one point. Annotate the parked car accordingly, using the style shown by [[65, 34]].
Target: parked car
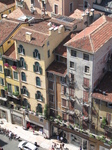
[[24, 145]]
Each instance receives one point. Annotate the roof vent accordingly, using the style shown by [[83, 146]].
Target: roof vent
[[28, 36], [104, 93]]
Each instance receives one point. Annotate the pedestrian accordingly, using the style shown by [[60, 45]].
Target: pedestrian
[[61, 139], [10, 134], [80, 148]]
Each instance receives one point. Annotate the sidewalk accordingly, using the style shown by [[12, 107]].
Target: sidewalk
[[29, 136]]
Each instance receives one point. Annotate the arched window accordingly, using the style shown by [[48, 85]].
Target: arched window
[[21, 50], [39, 96], [23, 76], [26, 103], [39, 108], [22, 62], [37, 68], [38, 81], [24, 91], [36, 54]]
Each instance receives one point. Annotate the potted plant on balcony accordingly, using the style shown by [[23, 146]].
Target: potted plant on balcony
[[14, 67], [104, 122], [51, 119], [6, 65]]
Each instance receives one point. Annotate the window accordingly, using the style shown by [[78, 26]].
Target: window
[[63, 79], [71, 64], [71, 105], [50, 76], [22, 63], [15, 75], [71, 119], [9, 88], [56, 9], [37, 68], [51, 98], [85, 4], [2, 93], [9, 42], [7, 72], [23, 76], [86, 69], [85, 96], [71, 7], [65, 116], [21, 50], [43, 4], [24, 91], [9, 11], [71, 77], [25, 103], [86, 82], [71, 92], [36, 54], [57, 57], [0, 68], [0, 55], [16, 88], [64, 102], [32, 1], [39, 108], [73, 53], [1, 81], [85, 56], [50, 85], [48, 53], [39, 96], [108, 117], [38, 83], [63, 89]]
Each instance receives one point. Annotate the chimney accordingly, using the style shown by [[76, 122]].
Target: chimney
[[88, 18], [51, 30], [28, 36], [61, 29], [92, 15]]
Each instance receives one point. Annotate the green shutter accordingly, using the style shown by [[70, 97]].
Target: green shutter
[[27, 93], [18, 50], [25, 65], [21, 91], [36, 96], [41, 97], [23, 51], [38, 56], [34, 54], [18, 64], [40, 70], [34, 68], [2, 82]]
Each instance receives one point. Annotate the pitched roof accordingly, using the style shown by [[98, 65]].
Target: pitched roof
[[6, 28], [6, 6], [104, 90], [57, 68], [10, 53], [94, 36], [62, 50]]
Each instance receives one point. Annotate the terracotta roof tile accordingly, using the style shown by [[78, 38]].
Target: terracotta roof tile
[[6, 27], [37, 38], [104, 90], [94, 36], [10, 53], [4, 7], [57, 68], [62, 50]]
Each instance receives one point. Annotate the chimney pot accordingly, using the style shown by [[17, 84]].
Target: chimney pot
[[28, 36]]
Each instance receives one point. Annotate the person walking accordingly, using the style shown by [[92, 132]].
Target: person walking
[[10, 134]]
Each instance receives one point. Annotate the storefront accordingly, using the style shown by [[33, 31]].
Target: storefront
[[17, 119]]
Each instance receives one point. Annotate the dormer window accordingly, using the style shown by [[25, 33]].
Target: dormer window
[[21, 50], [36, 54]]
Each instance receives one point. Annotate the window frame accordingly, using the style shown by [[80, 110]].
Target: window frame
[[71, 10], [1, 68], [48, 53], [38, 81], [87, 69], [2, 81], [14, 75], [22, 73], [8, 84], [21, 50], [36, 54], [51, 95], [85, 56], [72, 63], [49, 83], [72, 53]]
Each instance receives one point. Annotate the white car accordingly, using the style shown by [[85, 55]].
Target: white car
[[23, 145]]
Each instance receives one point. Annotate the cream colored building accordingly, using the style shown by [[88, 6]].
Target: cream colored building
[[34, 50]]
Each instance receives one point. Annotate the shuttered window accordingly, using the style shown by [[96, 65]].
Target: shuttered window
[[64, 102], [85, 96], [86, 82]]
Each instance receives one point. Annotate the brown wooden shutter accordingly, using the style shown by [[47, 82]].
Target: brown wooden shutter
[[85, 96], [86, 82]]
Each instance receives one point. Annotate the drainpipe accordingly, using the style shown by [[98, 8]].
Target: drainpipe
[[55, 92], [62, 7]]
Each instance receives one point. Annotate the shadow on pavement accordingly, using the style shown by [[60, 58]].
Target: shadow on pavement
[[2, 143]]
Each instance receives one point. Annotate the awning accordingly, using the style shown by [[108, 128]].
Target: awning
[[3, 98]]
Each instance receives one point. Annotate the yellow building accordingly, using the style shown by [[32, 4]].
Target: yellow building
[[6, 7], [102, 107], [35, 45], [8, 29]]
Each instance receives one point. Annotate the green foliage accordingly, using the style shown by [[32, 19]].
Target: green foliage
[[16, 93], [51, 118], [46, 114], [104, 122], [58, 117], [5, 88], [110, 142]]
